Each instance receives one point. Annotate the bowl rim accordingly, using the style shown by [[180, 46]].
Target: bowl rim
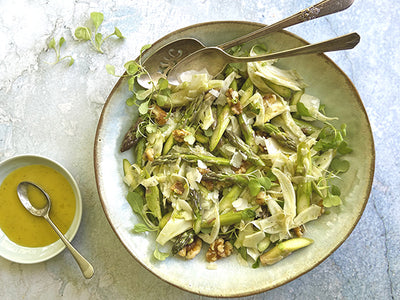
[[58, 246], [159, 43]]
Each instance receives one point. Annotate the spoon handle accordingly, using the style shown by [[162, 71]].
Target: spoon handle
[[84, 265], [320, 9], [347, 41]]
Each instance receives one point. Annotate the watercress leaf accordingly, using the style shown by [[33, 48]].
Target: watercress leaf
[[52, 44], [151, 128], [265, 182], [160, 255], [98, 38], [110, 69], [141, 94], [130, 101], [335, 190], [144, 108], [271, 175], [118, 33], [248, 214], [339, 165], [331, 200], [97, 19], [131, 67], [161, 100], [136, 201], [83, 33], [254, 187], [302, 110], [61, 41], [144, 48], [140, 227], [71, 61], [162, 83], [344, 148]]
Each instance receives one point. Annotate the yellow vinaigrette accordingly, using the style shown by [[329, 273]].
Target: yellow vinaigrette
[[18, 224]]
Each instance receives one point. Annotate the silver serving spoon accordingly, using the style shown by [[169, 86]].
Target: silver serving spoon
[[164, 59], [22, 190], [214, 59]]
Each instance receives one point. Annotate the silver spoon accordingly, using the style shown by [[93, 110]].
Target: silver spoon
[[164, 59], [22, 190], [214, 59]]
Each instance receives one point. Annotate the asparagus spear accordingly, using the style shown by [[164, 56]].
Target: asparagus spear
[[233, 194], [168, 144], [284, 249], [130, 138], [304, 189], [184, 239], [306, 127], [210, 160], [248, 133], [241, 179], [241, 145], [232, 218], [152, 197], [140, 147], [280, 136], [222, 124]]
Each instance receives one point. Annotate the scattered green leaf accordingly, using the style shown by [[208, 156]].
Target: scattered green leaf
[[339, 165], [57, 49], [97, 18], [140, 227], [118, 33], [331, 200], [335, 190], [85, 33], [136, 201], [144, 108], [160, 255], [110, 69]]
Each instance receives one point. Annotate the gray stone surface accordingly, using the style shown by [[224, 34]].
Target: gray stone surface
[[53, 111]]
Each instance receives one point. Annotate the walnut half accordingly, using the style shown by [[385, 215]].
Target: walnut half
[[191, 250], [219, 249]]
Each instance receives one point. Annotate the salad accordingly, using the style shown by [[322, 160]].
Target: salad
[[234, 164]]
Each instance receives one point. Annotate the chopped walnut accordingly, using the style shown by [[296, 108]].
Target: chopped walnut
[[159, 115], [298, 231], [191, 250], [203, 171], [178, 188], [243, 168], [261, 197], [208, 184], [269, 98], [149, 154], [233, 101], [321, 204], [219, 249], [179, 135], [240, 170]]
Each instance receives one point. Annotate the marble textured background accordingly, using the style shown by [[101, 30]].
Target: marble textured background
[[53, 111]]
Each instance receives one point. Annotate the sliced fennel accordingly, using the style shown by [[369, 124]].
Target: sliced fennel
[[245, 159]]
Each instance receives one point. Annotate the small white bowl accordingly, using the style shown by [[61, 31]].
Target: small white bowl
[[30, 255]]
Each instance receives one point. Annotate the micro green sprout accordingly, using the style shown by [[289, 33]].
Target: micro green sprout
[[86, 34], [57, 49]]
